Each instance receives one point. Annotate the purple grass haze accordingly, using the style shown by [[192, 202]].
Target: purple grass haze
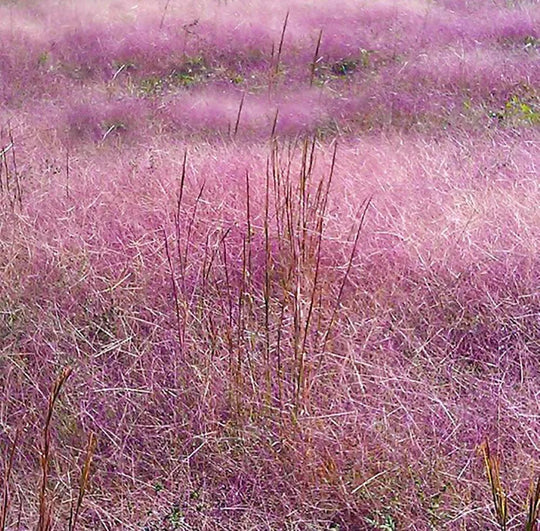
[[292, 296]]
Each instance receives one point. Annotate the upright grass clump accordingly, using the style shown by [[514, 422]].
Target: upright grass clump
[[46, 508], [272, 278], [499, 497], [301, 208], [45, 520], [533, 505], [294, 294]]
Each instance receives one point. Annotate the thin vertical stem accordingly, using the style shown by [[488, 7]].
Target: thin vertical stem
[[45, 509], [238, 115], [67, 172], [4, 508], [84, 479], [163, 14], [175, 294], [280, 47], [363, 208], [315, 59], [249, 230]]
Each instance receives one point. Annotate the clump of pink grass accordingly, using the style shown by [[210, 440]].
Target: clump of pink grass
[[275, 320]]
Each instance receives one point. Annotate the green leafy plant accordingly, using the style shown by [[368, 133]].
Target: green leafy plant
[[192, 71], [381, 521], [520, 109], [345, 67], [151, 86]]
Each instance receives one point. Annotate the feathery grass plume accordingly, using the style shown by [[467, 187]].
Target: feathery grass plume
[[491, 465], [45, 521]]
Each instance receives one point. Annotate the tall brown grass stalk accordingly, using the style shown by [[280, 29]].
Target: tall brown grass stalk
[[491, 464], [533, 506], [45, 504], [240, 107], [175, 294], [10, 183], [281, 40], [4, 507], [315, 59], [83, 481]]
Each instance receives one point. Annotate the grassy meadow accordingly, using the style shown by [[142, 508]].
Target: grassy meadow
[[269, 265]]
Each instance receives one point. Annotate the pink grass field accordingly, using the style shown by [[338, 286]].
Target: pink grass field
[[290, 252]]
